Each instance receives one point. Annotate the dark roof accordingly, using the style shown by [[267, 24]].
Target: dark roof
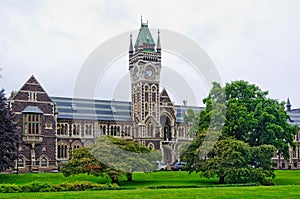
[[109, 110], [294, 117], [105, 110], [180, 110], [87, 109]]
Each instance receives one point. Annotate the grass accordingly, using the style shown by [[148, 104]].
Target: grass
[[291, 191], [287, 177], [287, 186]]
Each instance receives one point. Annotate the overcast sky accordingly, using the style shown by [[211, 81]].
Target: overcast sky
[[257, 41]]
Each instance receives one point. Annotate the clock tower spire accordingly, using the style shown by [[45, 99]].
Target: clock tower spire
[[144, 69]]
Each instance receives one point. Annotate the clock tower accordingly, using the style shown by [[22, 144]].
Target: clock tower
[[144, 69]]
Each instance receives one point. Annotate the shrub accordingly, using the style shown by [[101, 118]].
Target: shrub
[[11, 188], [45, 187]]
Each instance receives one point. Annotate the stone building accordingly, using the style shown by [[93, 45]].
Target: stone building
[[294, 161], [51, 127]]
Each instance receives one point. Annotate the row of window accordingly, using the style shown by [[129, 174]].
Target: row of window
[[63, 129], [43, 162], [63, 149], [32, 125]]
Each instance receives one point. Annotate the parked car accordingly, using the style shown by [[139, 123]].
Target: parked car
[[178, 166], [160, 166]]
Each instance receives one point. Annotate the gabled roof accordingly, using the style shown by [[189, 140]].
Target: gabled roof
[[31, 85], [165, 99]]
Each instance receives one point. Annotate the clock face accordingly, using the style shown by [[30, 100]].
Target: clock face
[[149, 72], [136, 73]]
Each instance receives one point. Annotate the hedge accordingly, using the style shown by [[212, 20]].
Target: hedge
[[45, 187]]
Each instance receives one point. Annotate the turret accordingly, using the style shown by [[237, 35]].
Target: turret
[[158, 47], [288, 105], [130, 45]]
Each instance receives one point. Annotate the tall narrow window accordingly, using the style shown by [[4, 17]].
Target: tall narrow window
[[62, 129], [32, 123], [62, 150], [102, 129], [76, 129], [88, 129], [32, 96]]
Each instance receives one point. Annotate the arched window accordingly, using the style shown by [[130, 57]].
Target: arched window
[[62, 150], [151, 146], [180, 132], [76, 145], [21, 162], [44, 162], [88, 129], [127, 130], [62, 129], [102, 129], [149, 130], [118, 130], [111, 130], [76, 129]]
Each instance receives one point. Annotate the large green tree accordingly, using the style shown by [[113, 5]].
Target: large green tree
[[112, 157], [8, 135], [239, 112]]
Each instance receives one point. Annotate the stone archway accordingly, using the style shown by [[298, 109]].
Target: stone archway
[[166, 128]]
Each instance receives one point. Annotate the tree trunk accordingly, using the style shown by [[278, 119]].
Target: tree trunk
[[114, 180], [129, 177], [222, 180]]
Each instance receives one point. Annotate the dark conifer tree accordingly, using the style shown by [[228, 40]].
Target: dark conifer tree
[[8, 135]]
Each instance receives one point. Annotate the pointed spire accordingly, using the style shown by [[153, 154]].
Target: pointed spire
[[144, 40], [288, 104], [158, 47], [130, 45]]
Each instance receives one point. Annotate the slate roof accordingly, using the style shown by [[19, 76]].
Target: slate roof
[[105, 110], [294, 117], [87, 109], [32, 109]]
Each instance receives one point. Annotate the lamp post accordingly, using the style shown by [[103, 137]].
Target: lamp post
[[18, 158]]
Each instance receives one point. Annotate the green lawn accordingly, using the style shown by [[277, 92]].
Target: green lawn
[[287, 186], [290, 191]]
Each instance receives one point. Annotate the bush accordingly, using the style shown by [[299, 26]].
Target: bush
[[11, 188], [45, 187]]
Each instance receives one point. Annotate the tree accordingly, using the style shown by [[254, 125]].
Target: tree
[[233, 162], [124, 156], [252, 119], [8, 135], [112, 157]]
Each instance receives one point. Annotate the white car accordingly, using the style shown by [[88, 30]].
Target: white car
[[160, 166]]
